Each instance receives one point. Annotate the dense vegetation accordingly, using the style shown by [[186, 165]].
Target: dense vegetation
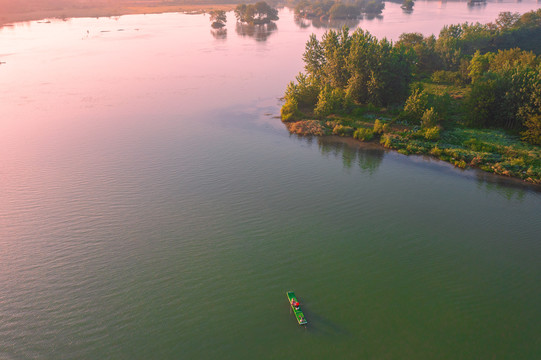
[[336, 9], [471, 96], [259, 13], [218, 18]]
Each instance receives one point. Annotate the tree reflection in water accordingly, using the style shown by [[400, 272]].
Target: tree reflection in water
[[368, 157], [507, 187], [258, 32], [335, 24], [302, 22], [219, 34]]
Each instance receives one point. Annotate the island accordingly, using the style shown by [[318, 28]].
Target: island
[[471, 96]]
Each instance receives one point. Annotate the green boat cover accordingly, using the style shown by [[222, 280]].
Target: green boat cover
[[296, 310]]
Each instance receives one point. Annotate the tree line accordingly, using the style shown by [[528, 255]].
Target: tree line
[[498, 63], [336, 9]]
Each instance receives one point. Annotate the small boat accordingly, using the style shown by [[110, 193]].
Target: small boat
[[296, 308]]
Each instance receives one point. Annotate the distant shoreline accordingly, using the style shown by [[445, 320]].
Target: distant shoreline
[[8, 18]]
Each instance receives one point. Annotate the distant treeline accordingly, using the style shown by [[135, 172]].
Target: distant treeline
[[336, 9], [259, 13]]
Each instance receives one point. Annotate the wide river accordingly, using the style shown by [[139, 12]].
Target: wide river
[[153, 206]]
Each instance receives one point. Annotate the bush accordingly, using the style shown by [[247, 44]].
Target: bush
[[429, 119], [416, 105], [478, 145], [289, 110], [436, 151], [446, 77], [329, 101], [363, 134], [379, 127], [342, 130], [432, 133], [532, 134], [304, 91]]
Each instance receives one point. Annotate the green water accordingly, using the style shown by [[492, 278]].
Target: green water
[[154, 207]]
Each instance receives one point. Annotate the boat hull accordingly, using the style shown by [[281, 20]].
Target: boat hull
[[299, 315]]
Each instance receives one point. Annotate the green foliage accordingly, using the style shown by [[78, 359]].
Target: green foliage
[[343, 11], [479, 145], [446, 77], [432, 133], [218, 18], [430, 118], [342, 130], [416, 105], [479, 65], [408, 4], [336, 45], [478, 78], [508, 93], [367, 70], [331, 9], [532, 134], [314, 58], [379, 127], [426, 58], [304, 91], [363, 134], [290, 110], [256, 14], [329, 101]]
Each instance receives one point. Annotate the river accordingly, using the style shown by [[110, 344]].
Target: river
[[153, 206]]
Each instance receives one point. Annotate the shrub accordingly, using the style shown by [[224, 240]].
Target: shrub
[[432, 133], [532, 134], [304, 91], [429, 119], [379, 127], [329, 101], [363, 134], [289, 110], [446, 77], [436, 151], [386, 141], [478, 145], [342, 130], [416, 105]]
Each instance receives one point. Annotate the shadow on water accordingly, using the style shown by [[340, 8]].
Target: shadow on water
[[476, 4], [258, 32], [219, 34], [335, 24], [320, 325], [302, 22], [367, 158], [508, 187]]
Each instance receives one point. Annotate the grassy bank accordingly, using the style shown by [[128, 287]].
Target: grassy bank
[[492, 150]]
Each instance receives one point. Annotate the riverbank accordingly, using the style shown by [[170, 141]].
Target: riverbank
[[469, 97], [14, 14], [491, 150]]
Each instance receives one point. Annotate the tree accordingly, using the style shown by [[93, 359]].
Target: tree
[[507, 20], [256, 14], [218, 18], [532, 134], [408, 5], [416, 105], [314, 58], [479, 65]]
